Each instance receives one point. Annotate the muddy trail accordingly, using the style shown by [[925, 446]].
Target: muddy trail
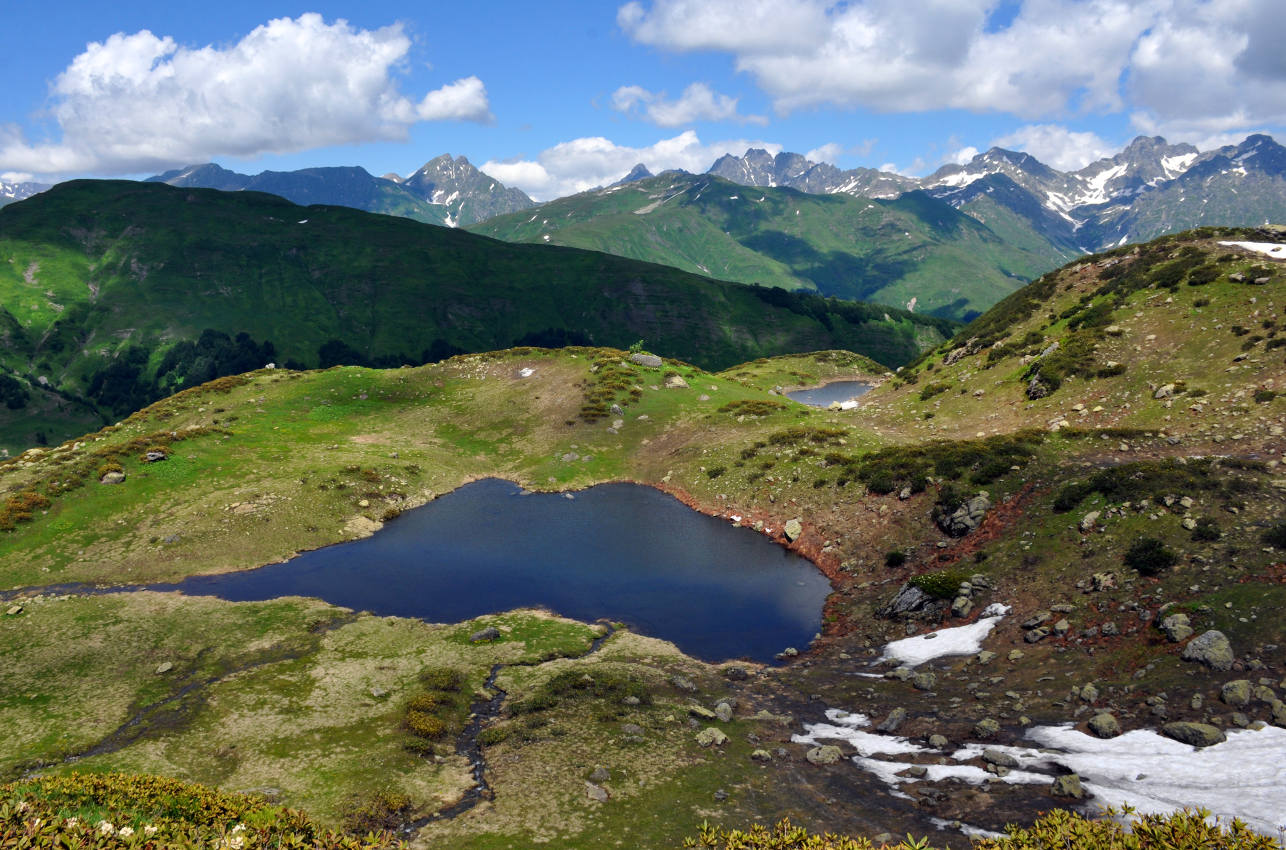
[[481, 713]]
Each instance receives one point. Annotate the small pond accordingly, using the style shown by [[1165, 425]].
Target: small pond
[[825, 395], [623, 552]]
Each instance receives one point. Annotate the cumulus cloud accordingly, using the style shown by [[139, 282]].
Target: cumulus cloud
[[829, 152], [698, 102], [1199, 65], [962, 156], [1058, 146], [141, 102], [581, 164]]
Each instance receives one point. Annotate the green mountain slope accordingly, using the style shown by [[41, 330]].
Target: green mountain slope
[[914, 250], [100, 281]]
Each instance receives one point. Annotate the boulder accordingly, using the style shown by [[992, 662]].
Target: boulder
[[1089, 520], [1177, 627], [891, 723], [675, 382], [14, 610], [1068, 785], [1211, 649], [962, 606], [597, 793], [164, 667], [712, 737], [112, 478], [153, 456], [1195, 734], [651, 361], [600, 774], [825, 754], [999, 757], [1236, 693], [1279, 713], [909, 599], [1105, 725], [986, 728], [965, 518], [489, 633], [1164, 391], [924, 681], [761, 755], [723, 712], [793, 529], [939, 742], [702, 712], [632, 729]]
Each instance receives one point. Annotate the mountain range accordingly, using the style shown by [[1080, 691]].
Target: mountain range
[[443, 191]]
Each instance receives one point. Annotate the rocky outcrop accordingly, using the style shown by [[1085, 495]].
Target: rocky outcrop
[[1211, 649], [965, 518], [651, 361], [1195, 734]]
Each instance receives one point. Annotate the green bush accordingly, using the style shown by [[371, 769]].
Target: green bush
[[930, 390], [1263, 396], [716, 471], [940, 585], [1149, 556], [424, 725], [1276, 536], [894, 558], [1206, 530], [442, 679]]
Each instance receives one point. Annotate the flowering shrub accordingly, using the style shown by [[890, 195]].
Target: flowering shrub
[[117, 811]]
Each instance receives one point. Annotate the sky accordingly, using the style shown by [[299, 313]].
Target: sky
[[564, 95]]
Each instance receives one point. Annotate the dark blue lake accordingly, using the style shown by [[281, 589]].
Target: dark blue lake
[[621, 551], [824, 395]]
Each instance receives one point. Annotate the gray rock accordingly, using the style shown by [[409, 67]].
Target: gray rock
[[675, 382], [683, 683], [1068, 785], [939, 742], [761, 755], [1164, 391], [711, 737], [916, 771], [649, 360], [632, 729], [986, 728], [909, 599], [153, 456], [720, 795], [1040, 618], [702, 712], [1111, 630], [1105, 725], [600, 774], [1089, 693], [962, 606], [1088, 521], [924, 681], [489, 633], [597, 793], [112, 478], [1177, 627], [164, 667], [1236, 693], [1195, 734], [1211, 649], [1062, 627], [793, 529], [985, 656], [904, 493], [825, 754], [1035, 635], [723, 712], [14, 610], [965, 518], [1000, 757], [895, 719], [1279, 713]]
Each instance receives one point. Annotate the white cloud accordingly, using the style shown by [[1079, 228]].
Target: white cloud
[[1058, 147], [1199, 66], [581, 164], [962, 156], [138, 102], [698, 102], [829, 152]]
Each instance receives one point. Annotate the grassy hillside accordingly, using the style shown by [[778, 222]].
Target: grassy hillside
[[1158, 417], [100, 280], [888, 251]]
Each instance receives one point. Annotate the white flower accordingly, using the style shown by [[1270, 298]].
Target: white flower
[[23, 805], [106, 828], [150, 830], [126, 831], [241, 827], [72, 821]]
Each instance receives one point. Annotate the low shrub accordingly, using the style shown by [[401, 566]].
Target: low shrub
[[894, 558], [940, 585], [1149, 556], [1276, 536], [1206, 530], [442, 679]]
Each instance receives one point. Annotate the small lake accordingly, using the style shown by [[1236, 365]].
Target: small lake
[[825, 395], [623, 552]]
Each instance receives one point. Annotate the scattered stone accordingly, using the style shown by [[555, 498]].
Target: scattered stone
[[793, 529], [712, 737], [378, 693], [1062, 627], [1177, 627], [916, 771], [761, 755], [1016, 655], [164, 667], [489, 633], [1035, 635], [1105, 725], [825, 754], [632, 729], [14, 610], [723, 712], [1039, 619], [985, 656], [1068, 785], [1279, 713], [965, 518], [1164, 391], [683, 683], [112, 478], [651, 361], [962, 606], [1089, 520], [939, 742], [720, 795], [153, 456], [597, 793], [1236, 693], [1111, 630], [702, 712], [924, 681], [986, 728], [904, 493], [1000, 757], [1211, 649], [675, 382], [895, 719], [1089, 693], [1195, 734], [909, 599], [600, 774]]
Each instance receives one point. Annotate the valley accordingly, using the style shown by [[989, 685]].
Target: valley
[[1131, 396]]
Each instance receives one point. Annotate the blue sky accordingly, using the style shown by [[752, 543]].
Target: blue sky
[[560, 96]]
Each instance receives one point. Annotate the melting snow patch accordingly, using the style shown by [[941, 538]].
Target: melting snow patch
[[302, 221], [1273, 249], [961, 640], [844, 727], [526, 372]]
